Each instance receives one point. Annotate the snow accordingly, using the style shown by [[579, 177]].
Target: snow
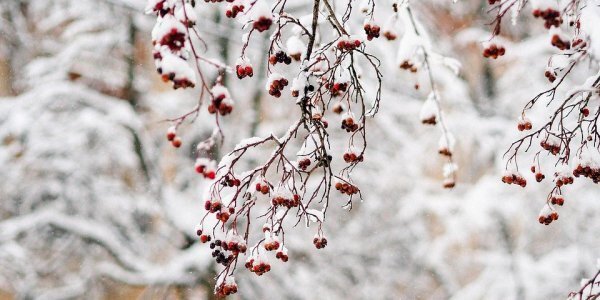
[[187, 14], [173, 64], [166, 26], [429, 109], [91, 189], [295, 45]]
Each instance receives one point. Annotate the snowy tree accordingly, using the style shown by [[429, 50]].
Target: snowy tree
[[96, 193], [80, 174], [329, 74]]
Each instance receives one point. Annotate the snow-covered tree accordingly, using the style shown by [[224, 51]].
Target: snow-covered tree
[[95, 192], [326, 50], [83, 194]]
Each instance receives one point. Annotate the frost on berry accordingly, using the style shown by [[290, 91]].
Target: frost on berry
[[492, 50], [221, 101], [295, 47], [349, 43], [243, 68], [226, 287], [275, 84], [429, 111], [372, 30], [390, 31], [186, 15], [547, 11], [175, 69], [349, 122], [261, 16], [169, 32], [524, 124], [547, 215], [513, 177], [206, 167], [234, 8], [446, 144]]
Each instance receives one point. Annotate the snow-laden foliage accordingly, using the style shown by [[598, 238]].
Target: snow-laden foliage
[[95, 192]]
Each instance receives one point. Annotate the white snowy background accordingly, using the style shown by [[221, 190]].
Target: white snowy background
[[95, 203]]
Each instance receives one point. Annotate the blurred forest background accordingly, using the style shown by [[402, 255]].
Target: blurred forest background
[[95, 204]]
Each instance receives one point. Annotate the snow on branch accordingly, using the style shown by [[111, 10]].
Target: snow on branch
[[320, 59]]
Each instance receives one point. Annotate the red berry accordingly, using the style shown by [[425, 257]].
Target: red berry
[[171, 136], [176, 142]]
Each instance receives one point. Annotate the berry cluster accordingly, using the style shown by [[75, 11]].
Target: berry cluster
[[271, 243], [276, 84], [258, 266], [348, 123], [372, 31], [320, 242], [282, 254], [221, 101], [445, 150], [429, 111], [588, 172], [220, 257], [563, 179], [295, 47], [230, 181], [213, 206], [177, 83], [546, 217], [560, 43], [304, 163], [350, 157], [244, 69], [337, 88], [296, 88], [262, 23], [551, 75], [204, 238], [557, 200], [551, 17], [346, 188], [262, 187], [289, 202], [229, 287], [524, 124], [161, 7], [348, 44], [551, 144], [173, 138], [318, 117], [494, 51], [173, 68], [390, 35], [430, 120], [407, 65], [280, 57], [235, 244], [233, 10], [169, 37], [296, 56], [205, 167], [170, 33], [538, 175], [514, 178]]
